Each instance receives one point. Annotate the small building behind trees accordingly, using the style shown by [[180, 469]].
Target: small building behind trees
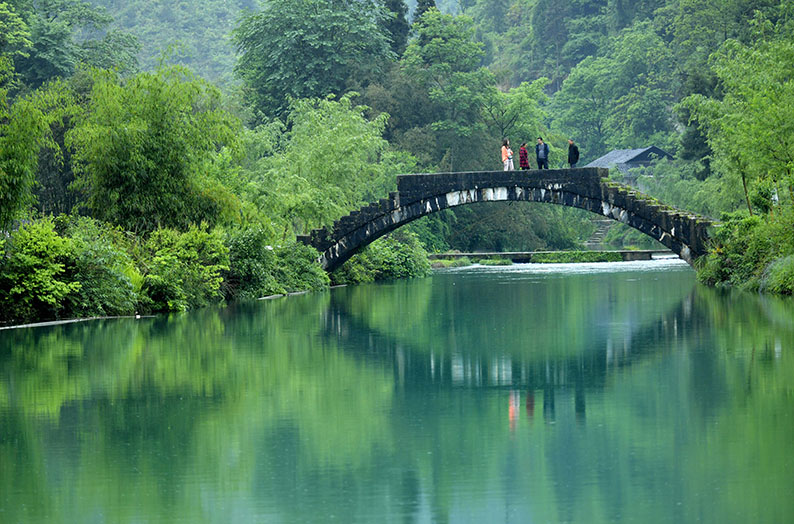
[[625, 159]]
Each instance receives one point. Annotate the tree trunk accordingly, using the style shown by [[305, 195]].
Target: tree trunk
[[746, 196]]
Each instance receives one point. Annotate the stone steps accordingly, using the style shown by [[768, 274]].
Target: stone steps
[[596, 240]]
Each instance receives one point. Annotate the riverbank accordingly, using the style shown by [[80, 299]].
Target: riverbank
[[555, 257], [446, 260], [754, 253], [69, 267], [74, 268]]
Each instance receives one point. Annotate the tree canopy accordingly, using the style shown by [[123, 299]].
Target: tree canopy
[[146, 150], [296, 49], [276, 135]]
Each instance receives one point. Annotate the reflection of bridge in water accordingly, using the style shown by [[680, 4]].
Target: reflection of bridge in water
[[588, 371], [684, 233]]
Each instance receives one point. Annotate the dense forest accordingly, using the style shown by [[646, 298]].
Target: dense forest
[[159, 156]]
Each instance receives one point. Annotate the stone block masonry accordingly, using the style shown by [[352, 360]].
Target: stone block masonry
[[418, 195]]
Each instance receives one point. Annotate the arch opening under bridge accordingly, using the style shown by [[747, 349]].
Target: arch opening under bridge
[[684, 233]]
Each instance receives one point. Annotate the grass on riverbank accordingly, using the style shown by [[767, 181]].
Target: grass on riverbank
[[569, 257], [555, 257], [752, 252]]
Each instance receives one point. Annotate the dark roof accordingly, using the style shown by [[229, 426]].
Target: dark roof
[[625, 159]]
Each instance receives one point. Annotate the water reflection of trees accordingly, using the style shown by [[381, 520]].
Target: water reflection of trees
[[588, 331], [149, 403], [723, 363], [290, 408]]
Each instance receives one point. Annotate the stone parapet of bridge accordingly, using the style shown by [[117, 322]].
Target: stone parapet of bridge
[[418, 195]]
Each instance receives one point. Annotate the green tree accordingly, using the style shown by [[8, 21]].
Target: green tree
[[14, 32], [25, 128], [299, 49], [516, 113], [147, 151], [445, 60], [65, 33], [185, 268], [622, 99], [332, 160], [396, 25], [33, 285], [751, 128], [422, 6], [195, 34], [582, 106]]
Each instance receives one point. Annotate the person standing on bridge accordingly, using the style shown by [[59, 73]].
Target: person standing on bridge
[[507, 155], [542, 154], [573, 153], [523, 157]]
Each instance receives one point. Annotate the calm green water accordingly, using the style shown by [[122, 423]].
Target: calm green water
[[601, 393]]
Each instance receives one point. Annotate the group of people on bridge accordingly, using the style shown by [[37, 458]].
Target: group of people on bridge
[[541, 155]]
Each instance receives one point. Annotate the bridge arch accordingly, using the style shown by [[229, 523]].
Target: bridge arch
[[419, 195]]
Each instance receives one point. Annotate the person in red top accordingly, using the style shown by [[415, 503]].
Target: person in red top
[[523, 156]]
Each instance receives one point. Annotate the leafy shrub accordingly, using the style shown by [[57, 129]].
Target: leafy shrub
[[762, 196], [779, 277], [744, 247], [402, 256], [359, 269], [33, 283], [109, 281], [297, 269], [399, 255], [184, 269], [252, 264]]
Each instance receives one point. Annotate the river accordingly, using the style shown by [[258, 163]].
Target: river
[[589, 393]]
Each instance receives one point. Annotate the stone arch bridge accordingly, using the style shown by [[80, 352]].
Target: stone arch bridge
[[686, 234]]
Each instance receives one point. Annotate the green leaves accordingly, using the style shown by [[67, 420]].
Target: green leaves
[[750, 128], [65, 33], [144, 152], [32, 280], [622, 99], [26, 127], [444, 60], [14, 32], [184, 271], [331, 161], [300, 49], [516, 113], [397, 255]]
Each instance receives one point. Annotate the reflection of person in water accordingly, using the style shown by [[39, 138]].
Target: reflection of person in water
[[512, 410], [530, 403], [578, 400], [548, 404]]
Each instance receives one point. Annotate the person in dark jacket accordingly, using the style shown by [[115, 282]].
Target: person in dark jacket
[[542, 154], [523, 157], [573, 153]]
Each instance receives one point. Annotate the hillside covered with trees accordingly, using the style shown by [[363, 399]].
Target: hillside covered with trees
[[164, 155]]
